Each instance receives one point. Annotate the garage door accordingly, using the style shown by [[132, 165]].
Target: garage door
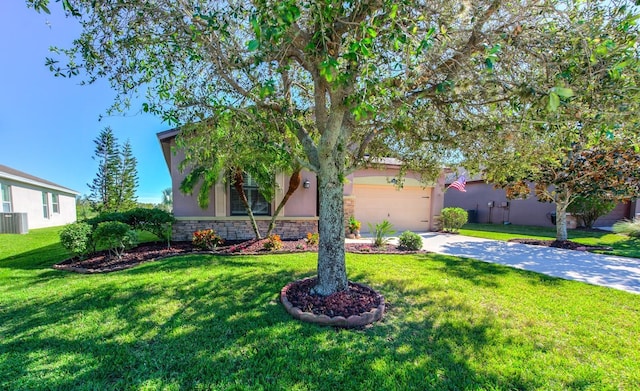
[[407, 208]]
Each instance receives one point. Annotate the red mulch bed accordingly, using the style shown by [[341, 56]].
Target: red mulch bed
[[101, 262], [356, 300], [566, 244]]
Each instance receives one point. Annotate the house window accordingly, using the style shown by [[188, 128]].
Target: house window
[[55, 203], [5, 197], [259, 205], [45, 204]]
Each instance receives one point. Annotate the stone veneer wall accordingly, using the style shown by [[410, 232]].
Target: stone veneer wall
[[241, 229]]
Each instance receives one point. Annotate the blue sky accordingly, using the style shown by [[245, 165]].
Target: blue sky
[[48, 124]]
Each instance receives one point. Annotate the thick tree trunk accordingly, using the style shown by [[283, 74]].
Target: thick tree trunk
[[561, 218], [294, 183], [238, 183], [332, 273]]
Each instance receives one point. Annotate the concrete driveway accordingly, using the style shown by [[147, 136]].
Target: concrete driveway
[[604, 270]]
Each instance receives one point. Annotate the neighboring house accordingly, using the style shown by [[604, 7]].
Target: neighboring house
[[45, 203], [370, 195], [487, 204]]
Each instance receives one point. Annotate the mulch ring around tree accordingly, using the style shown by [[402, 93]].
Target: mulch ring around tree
[[356, 306], [565, 244], [102, 262]]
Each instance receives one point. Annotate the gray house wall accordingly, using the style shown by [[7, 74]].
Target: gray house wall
[[480, 195]]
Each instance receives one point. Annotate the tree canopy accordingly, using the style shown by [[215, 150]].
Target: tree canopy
[[420, 81]]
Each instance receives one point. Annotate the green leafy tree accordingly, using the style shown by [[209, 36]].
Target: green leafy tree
[[353, 81], [580, 139], [230, 143]]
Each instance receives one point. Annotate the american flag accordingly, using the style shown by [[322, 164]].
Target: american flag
[[459, 184]]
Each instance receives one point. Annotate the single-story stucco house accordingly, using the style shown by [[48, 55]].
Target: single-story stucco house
[[34, 202], [369, 194], [487, 204]]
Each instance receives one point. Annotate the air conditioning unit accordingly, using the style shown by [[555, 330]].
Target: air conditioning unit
[[14, 223]]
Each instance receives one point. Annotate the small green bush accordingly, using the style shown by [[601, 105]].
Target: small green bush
[[313, 238], [452, 219], [380, 232], [628, 227], [115, 236], [76, 237], [410, 241], [104, 217], [206, 239], [588, 209], [156, 221]]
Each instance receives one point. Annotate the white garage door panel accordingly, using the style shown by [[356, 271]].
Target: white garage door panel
[[406, 209]]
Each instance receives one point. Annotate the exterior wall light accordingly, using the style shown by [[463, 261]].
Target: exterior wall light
[[306, 184]]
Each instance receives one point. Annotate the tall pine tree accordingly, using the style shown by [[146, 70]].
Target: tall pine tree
[[127, 179], [103, 185], [114, 187]]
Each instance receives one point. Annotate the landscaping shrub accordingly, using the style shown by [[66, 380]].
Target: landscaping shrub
[[273, 243], [313, 239], [156, 221], [115, 236], [410, 241], [104, 217], [628, 227], [588, 209], [76, 237], [380, 232], [206, 239], [452, 219]]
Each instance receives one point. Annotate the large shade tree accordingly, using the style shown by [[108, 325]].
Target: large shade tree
[[583, 139], [351, 80]]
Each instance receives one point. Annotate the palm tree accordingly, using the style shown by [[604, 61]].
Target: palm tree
[[167, 199]]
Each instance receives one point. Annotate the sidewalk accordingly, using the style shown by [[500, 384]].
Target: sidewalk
[[598, 269]]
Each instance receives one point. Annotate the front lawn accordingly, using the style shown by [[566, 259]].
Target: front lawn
[[211, 322], [621, 245]]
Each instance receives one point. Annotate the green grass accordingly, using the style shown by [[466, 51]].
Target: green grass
[[207, 322], [621, 245]]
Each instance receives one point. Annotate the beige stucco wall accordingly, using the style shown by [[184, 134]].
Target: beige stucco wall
[[26, 198]]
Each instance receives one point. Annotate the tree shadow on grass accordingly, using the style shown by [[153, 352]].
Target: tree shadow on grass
[[215, 323]]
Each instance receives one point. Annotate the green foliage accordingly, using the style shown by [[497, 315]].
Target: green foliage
[[354, 224], [381, 233], [410, 241], [108, 216], [452, 219], [76, 238], [206, 239], [273, 242], [115, 237], [589, 208], [156, 221], [113, 189], [628, 227]]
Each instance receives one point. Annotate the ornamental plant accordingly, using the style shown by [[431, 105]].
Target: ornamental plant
[[273, 242], [76, 238], [410, 241], [206, 239], [380, 232], [116, 237], [313, 238], [452, 219]]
